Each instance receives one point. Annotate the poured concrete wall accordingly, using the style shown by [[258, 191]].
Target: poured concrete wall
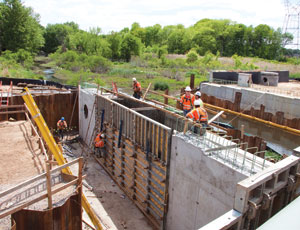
[[253, 98], [201, 188], [86, 98]]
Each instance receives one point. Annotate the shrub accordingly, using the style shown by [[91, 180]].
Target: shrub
[[99, 81], [161, 86], [75, 62], [192, 57], [98, 64], [22, 57], [238, 64]]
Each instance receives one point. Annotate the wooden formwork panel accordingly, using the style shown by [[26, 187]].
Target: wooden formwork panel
[[140, 177], [137, 156]]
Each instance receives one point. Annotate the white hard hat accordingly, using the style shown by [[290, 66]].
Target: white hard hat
[[188, 88], [102, 135], [198, 94], [134, 79], [197, 102]]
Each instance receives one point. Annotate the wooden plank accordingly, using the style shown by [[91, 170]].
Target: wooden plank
[[13, 112], [147, 91], [166, 145], [156, 141], [161, 147]]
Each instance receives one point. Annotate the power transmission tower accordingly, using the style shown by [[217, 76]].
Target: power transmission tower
[[292, 22]]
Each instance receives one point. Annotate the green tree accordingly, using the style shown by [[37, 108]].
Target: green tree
[[114, 40], [236, 40], [138, 31], [178, 41], [58, 35], [204, 40], [19, 27], [130, 45], [152, 35], [90, 43]]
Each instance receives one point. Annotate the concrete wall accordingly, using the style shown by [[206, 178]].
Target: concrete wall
[[283, 75], [86, 98], [253, 98], [201, 188]]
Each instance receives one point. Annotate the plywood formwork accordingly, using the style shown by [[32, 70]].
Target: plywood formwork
[[137, 153]]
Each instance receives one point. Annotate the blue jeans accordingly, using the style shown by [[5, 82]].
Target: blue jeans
[[185, 112]]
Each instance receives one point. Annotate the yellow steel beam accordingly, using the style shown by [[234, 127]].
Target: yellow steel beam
[[289, 129], [53, 147]]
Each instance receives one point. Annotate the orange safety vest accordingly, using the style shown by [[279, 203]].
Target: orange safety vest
[[99, 142], [137, 87], [61, 124], [187, 102], [198, 114]]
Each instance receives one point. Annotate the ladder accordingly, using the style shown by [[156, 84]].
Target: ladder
[[55, 150], [4, 99]]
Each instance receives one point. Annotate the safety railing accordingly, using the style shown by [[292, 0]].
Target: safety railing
[[38, 188]]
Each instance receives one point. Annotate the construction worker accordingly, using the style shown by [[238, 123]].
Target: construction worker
[[198, 97], [199, 115], [187, 101], [99, 144], [137, 89], [61, 126]]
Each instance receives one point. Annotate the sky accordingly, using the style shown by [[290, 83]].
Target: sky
[[113, 15]]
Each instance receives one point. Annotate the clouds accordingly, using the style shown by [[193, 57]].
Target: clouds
[[112, 15]]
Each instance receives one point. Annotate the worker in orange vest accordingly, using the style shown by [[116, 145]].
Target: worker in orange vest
[[61, 126], [137, 88], [187, 101], [99, 143], [199, 115]]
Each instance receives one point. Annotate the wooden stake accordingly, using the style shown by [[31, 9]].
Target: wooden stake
[[185, 126], [80, 166], [48, 176], [192, 81], [242, 131], [166, 99]]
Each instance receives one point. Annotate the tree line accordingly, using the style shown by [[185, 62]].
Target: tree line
[[20, 29]]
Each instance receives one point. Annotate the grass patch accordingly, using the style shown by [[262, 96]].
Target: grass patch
[[295, 75], [273, 156]]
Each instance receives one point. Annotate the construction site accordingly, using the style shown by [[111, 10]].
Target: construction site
[[155, 172]]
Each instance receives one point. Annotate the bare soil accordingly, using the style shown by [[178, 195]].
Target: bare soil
[[18, 152]]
